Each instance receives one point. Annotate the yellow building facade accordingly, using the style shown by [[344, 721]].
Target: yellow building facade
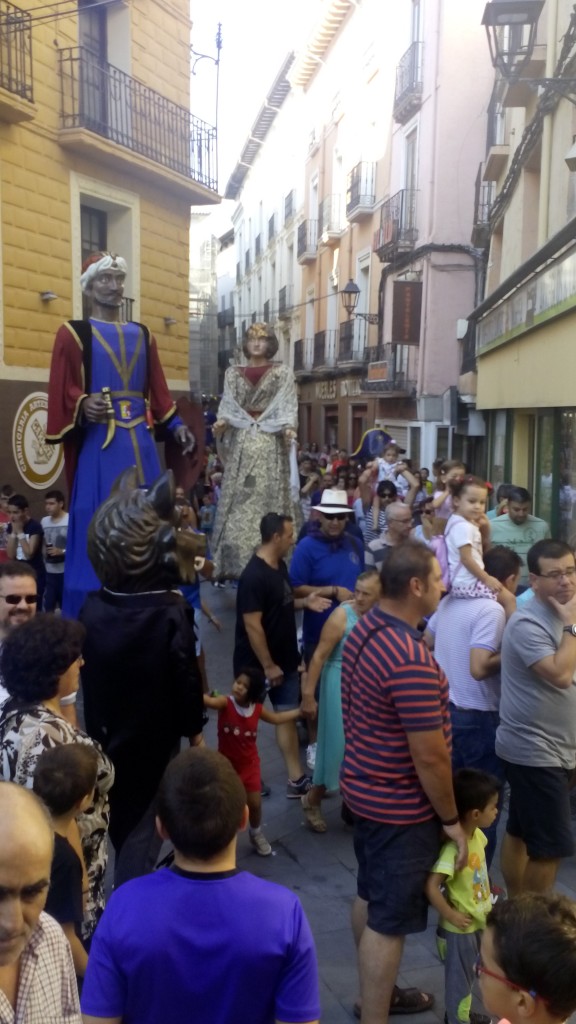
[[98, 149], [523, 331]]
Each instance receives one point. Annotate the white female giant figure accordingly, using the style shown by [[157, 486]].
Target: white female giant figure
[[256, 431]]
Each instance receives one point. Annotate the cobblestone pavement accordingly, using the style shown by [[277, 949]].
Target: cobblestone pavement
[[321, 868]]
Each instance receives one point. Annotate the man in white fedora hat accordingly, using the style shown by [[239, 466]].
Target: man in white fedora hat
[[328, 563]]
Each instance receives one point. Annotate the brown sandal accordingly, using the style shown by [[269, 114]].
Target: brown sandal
[[404, 1000]]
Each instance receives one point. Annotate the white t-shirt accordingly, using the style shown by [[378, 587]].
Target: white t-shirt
[[458, 533], [458, 626], [387, 471], [55, 535]]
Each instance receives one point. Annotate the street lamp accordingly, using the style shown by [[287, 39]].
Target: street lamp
[[350, 295], [507, 22]]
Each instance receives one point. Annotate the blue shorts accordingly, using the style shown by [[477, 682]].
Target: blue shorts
[[286, 697], [393, 864]]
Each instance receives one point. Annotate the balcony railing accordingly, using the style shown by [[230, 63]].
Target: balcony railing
[[289, 206], [325, 348], [351, 346], [16, 51], [329, 219], [257, 247], [408, 92], [307, 247], [98, 96], [303, 354], [397, 231], [468, 364], [360, 191], [385, 372], [285, 302], [484, 196], [272, 228]]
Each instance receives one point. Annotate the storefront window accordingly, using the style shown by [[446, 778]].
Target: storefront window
[[567, 481], [544, 467], [498, 448]]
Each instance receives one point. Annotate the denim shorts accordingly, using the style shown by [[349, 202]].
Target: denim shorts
[[286, 697], [393, 864], [539, 812]]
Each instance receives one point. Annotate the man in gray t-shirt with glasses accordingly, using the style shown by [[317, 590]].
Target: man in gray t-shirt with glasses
[[536, 737]]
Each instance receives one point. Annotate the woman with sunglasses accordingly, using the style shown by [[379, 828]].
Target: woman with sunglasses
[[40, 664]]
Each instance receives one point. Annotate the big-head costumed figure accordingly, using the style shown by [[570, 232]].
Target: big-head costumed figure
[[141, 684], [106, 396]]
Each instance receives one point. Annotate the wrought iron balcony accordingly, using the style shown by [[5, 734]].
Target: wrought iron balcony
[[408, 92], [385, 375], [289, 206], [330, 227], [351, 344], [99, 98], [285, 302], [360, 191], [307, 247], [303, 355], [397, 232], [325, 348], [15, 63], [484, 196]]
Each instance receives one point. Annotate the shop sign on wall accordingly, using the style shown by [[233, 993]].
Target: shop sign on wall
[[39, 463]]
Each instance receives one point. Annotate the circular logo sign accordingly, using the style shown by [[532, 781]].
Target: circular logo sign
[[39, 463]]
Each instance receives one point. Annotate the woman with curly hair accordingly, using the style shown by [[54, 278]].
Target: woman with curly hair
[[40, 663]]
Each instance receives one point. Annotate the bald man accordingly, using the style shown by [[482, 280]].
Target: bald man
[[37, 981]]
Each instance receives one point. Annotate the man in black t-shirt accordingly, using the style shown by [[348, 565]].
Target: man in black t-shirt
[[266, 633], [24, 542]]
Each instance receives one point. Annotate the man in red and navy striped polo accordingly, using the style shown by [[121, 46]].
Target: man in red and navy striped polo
[[396, 776]]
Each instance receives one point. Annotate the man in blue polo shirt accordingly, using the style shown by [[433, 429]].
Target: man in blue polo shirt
[[328, 563], [201, 940]]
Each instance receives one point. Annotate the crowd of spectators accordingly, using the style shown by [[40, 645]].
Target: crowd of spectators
[[433, 665]]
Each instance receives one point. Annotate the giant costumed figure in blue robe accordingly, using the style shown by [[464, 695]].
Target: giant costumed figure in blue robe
[[107, 392]]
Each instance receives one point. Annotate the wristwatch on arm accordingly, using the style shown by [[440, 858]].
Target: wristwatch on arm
[[570, 629]]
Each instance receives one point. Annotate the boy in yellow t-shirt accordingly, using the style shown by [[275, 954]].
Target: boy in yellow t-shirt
[[464, 905]]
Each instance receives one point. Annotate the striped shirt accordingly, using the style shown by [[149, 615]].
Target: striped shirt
[[391, 686]]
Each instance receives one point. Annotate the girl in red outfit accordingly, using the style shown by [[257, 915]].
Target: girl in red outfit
[[238, 717]]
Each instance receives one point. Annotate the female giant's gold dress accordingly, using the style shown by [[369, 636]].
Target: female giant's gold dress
[[256, 457]]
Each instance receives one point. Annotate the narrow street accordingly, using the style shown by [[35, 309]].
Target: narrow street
[[321, 868]]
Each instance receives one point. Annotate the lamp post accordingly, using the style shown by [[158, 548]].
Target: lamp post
[[216, 61], [350, 295], [511, 31]]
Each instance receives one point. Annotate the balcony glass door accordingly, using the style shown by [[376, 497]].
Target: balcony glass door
[[93, 41]]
